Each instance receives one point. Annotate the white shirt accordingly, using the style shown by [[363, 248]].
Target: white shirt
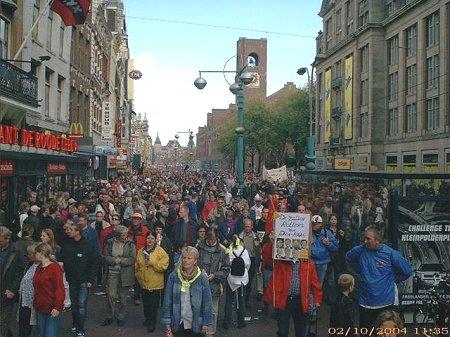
[[236, 281]]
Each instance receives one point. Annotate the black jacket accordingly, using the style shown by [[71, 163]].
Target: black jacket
[[342, 313], [10, 275], [80, 261]]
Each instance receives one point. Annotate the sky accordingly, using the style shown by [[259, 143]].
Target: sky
[[170, 55]]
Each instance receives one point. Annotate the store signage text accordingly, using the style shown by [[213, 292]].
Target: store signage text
[[6, 167], [15, 136], [56, 168]]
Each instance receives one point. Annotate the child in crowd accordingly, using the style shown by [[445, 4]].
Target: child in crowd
[[342, 310]]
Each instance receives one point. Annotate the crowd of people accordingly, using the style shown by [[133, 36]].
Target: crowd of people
[[182, 241]]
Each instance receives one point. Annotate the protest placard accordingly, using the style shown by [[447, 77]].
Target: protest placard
[[292, 239]]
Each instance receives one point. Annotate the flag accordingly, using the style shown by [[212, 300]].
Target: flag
[[72, 12], [273, 205]]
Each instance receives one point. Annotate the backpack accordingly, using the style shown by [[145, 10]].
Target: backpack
[[238, 265]]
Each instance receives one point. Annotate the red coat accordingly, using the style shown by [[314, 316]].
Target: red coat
[[138, 235], [266, 253], [207, 209], [49, 290], [105, 233], [277, 291]]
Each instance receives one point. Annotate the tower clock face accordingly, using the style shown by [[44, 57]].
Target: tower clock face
[[255, 82]]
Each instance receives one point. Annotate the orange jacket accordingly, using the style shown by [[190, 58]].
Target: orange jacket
[[277, 291]]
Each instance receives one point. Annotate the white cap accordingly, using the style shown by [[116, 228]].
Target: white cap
[[258, 198], [316, 218], [35, 208], [379, 210], [71, 201]]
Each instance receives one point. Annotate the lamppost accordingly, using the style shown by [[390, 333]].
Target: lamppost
[[310, 143], [237, 88]]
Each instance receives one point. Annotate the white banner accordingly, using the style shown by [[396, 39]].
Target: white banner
[[278, 174], [106, 125], [292, 239]]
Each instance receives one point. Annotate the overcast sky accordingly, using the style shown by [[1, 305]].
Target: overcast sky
[[171, 54]]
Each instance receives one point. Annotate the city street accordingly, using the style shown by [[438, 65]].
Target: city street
[[256, 326]]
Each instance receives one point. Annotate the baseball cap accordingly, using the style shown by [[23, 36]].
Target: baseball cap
[[137, 215], [35, 208], [71, 201], [316, 218], [329, 199]]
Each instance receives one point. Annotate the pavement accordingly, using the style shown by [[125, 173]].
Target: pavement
[[257, 325]]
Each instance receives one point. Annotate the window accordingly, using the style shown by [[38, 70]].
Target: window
[[411, 40], [392, 127], [432, 113], [364, 92], [433, 71], [411, 79], [430, 158], [338, 25], [328, 33], [49, 30], [393, 50], [61, 40], [48, 80], [432, 29], [391, 163], [409, 163], [59, 106], [36, 9], [411, 118], [364, 19], [393, 86], [391, 7], [349, 10], [365, 58], [4, 38], [364, 125]]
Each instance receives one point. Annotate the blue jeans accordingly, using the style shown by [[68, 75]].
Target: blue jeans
[[47, 325], [78, 296], [321, 270], [294, 309]]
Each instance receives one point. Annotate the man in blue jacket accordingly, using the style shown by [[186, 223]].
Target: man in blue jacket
[[379, 268], [323, 244]]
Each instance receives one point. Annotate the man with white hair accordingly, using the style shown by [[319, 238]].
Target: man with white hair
[[256, 209], [33, 219], [11, 268]]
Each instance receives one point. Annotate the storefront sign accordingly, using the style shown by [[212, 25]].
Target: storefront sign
[[42, 140], [56, 168], [106, 127], [291, 236], [76, 130], [342, 164], [6, 167]]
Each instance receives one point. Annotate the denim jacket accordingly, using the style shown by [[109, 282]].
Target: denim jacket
[[201, 303]]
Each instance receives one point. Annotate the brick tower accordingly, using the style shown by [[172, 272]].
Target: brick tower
[[253, 53]]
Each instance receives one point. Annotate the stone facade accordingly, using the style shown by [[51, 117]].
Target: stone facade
[[383, 85]]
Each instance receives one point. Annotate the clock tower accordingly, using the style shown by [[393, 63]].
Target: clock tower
[[253, 53]]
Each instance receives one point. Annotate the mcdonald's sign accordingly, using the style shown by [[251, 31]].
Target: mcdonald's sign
[[76, 130]]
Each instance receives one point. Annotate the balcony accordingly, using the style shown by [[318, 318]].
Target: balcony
[[335, 142], [336, 112], [336, 83], [18, 84]]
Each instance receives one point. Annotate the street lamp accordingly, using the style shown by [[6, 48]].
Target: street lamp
[[237, 88], [310, 155]]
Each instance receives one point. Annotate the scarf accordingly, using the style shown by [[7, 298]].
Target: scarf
[[187, 280]]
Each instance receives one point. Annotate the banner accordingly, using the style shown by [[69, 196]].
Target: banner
[[72, 12], [278, 174], [348, 98], [292, 236], [106, 126], [327, 106], [423, 237]]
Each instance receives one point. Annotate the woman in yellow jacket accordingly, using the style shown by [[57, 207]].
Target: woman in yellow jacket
[[151, 263]]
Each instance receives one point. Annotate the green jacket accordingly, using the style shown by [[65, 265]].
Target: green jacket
[[127, 264]]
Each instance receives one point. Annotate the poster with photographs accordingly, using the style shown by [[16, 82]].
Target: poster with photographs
[[291, 236]]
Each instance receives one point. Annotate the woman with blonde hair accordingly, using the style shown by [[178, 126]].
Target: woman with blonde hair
[[187, 309], [48, 237], [49, 292]]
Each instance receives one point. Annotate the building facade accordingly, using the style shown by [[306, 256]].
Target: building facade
[[383, 78]]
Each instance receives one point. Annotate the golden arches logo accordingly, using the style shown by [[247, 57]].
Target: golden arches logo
[[76, 130]]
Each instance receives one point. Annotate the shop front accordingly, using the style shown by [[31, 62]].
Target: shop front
[[32, 160]]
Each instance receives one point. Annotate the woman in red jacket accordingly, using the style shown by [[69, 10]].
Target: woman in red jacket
[[48, 292], [288, 291]]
